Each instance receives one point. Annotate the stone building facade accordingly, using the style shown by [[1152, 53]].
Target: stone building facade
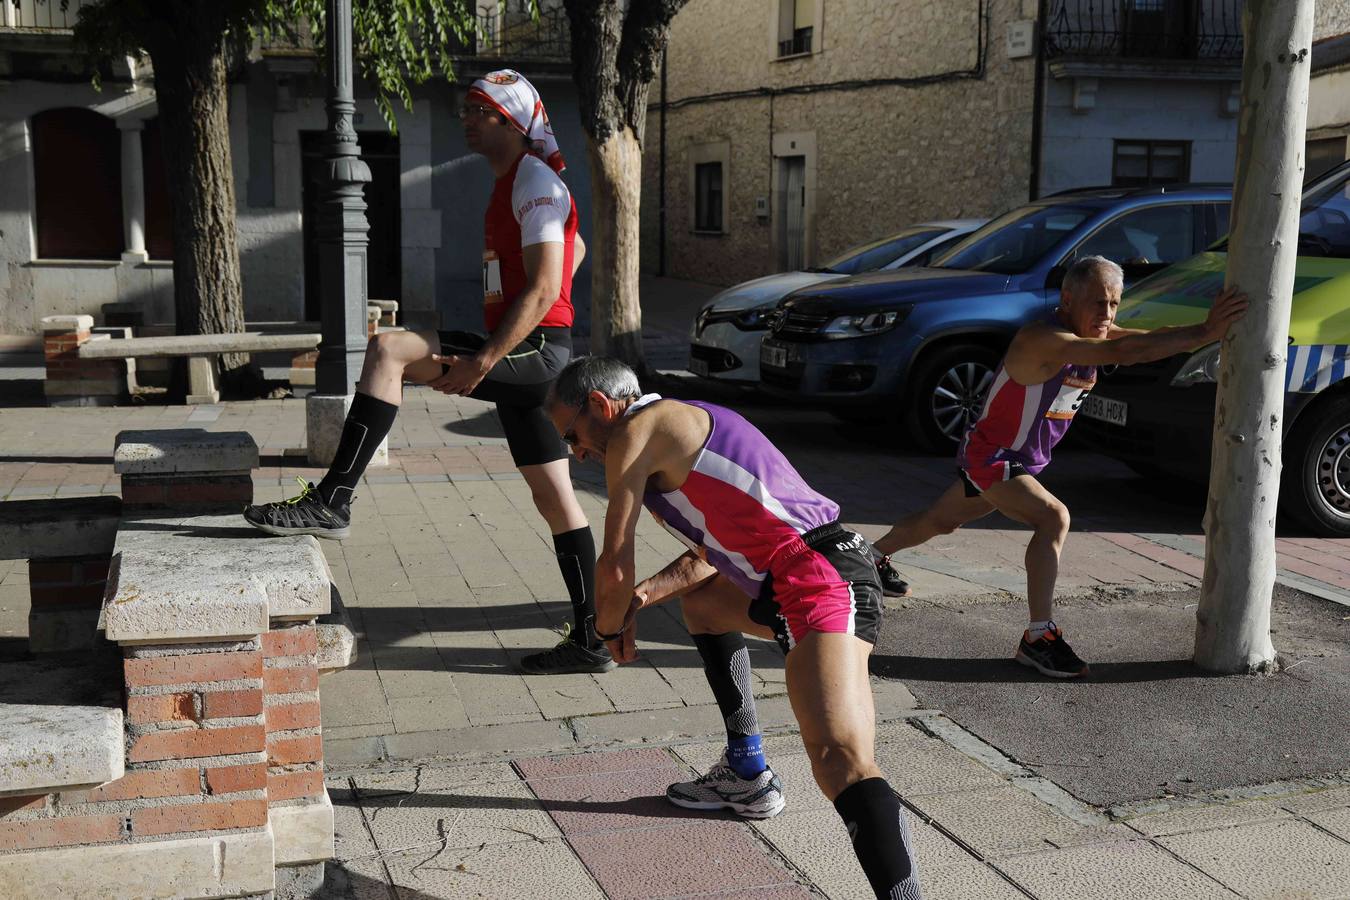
[[426, 202], [900, 111], [856, 133]]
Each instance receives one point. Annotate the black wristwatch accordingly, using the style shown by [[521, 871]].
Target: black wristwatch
[[611, 637]]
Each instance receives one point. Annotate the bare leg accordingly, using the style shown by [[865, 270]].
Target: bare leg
[[395, 357], [1026, 500], [952, 510], [551, 488], [832, 700]]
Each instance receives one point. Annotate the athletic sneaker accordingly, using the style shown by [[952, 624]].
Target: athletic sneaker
[[892, 583], [760, 797], [1051, 655], [305, 514], [568, 657]]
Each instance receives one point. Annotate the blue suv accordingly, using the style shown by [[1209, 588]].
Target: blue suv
[[920, 346]]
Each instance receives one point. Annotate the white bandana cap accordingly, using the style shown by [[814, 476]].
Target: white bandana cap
[[507, 91]]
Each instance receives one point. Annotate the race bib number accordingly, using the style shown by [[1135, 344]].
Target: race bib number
[[492, 278], [1072, 393]]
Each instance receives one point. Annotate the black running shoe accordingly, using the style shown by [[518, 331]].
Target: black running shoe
[[1051, 655], [568, 657], [305, 514], [892, 583]]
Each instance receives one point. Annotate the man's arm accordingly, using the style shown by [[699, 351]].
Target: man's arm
[[1047, 348], [578, 253], [629, 462], [682, 575]]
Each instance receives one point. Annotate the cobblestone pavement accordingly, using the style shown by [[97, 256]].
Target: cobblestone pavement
[[454, 776]]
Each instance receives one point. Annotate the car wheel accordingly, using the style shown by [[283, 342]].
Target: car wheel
[[1316, 482], [947, 394]]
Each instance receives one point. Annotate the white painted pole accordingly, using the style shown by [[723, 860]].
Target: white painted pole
[[1233, 620]]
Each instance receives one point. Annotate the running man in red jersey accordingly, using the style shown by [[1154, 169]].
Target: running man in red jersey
[[531, 252], [1045, 376]]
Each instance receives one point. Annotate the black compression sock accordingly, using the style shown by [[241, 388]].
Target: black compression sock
[[368, 423], [726, 662], [576, 561], [876, 823]]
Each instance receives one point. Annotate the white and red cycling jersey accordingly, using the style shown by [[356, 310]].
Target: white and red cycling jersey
[[530, 204]]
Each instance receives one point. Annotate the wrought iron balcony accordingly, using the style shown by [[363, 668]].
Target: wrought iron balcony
[[40, 15], [1145, 29]]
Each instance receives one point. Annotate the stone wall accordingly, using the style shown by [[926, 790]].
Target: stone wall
[[884, 155], [1330, 18]]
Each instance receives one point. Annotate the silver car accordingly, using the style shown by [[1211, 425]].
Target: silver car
[[725, 339]]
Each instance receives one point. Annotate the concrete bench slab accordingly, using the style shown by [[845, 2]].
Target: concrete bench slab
[[208, 577], [198, 345], [171, 450], [337, 641], [62, 724], [57, 748], [49, 529]]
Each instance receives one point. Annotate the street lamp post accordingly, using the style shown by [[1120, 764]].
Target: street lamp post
[[342, 234]]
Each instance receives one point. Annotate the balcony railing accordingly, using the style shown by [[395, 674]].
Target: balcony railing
[[800, 42], [1145, 29], [40, 15]]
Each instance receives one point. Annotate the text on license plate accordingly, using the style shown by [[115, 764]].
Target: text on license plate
[[770, 355], [1105, 409]]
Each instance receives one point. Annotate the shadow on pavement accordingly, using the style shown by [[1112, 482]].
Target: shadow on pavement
[[1006, 670]]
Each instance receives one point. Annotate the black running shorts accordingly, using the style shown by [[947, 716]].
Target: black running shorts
[[519, 384]]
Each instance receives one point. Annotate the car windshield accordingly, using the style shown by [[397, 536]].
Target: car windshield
[[1324, 222], [1015, 241], [873, 256]]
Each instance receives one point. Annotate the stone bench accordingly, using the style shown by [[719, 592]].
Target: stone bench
[[220, 635], [85, 371]]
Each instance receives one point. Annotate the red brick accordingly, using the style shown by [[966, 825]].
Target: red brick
[[22, 804], [290, 785], [292, 715], [191, 743], [199, 817], [290, 641], [197, 668], [60, 832], [228, 779], [210, 493], [287, 751], [50, 571], [177, 707], [224, 704], [150, 783], [290, 681]]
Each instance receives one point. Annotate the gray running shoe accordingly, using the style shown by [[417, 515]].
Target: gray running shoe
[[760, 797], [568, 657], [1050, 655], [305, 514]]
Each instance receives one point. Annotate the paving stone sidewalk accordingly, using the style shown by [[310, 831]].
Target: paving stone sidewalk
[[454, 776]]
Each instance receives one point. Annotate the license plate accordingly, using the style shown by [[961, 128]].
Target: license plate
[[769, 355], [699, 367], [1105, 409]]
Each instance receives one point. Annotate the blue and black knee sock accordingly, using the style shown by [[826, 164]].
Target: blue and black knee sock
[[880, 833], [726, 661], [576, 561], [368, 423]]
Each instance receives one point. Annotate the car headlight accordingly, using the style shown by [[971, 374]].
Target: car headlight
[[1201, 368], [866, 324], [756, 319]]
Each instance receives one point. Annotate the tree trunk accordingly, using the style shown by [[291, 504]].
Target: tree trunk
[[190, 57], [616, 186], [1232, 632]]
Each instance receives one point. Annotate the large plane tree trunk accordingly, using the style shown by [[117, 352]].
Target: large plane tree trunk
[[1233, 620], [190, 50], [614, 57]]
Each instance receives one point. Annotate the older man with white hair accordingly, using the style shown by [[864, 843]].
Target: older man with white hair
[[1049, 369]]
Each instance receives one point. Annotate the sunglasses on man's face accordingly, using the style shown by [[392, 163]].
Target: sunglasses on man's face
[[476, 110], [569, 436]]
